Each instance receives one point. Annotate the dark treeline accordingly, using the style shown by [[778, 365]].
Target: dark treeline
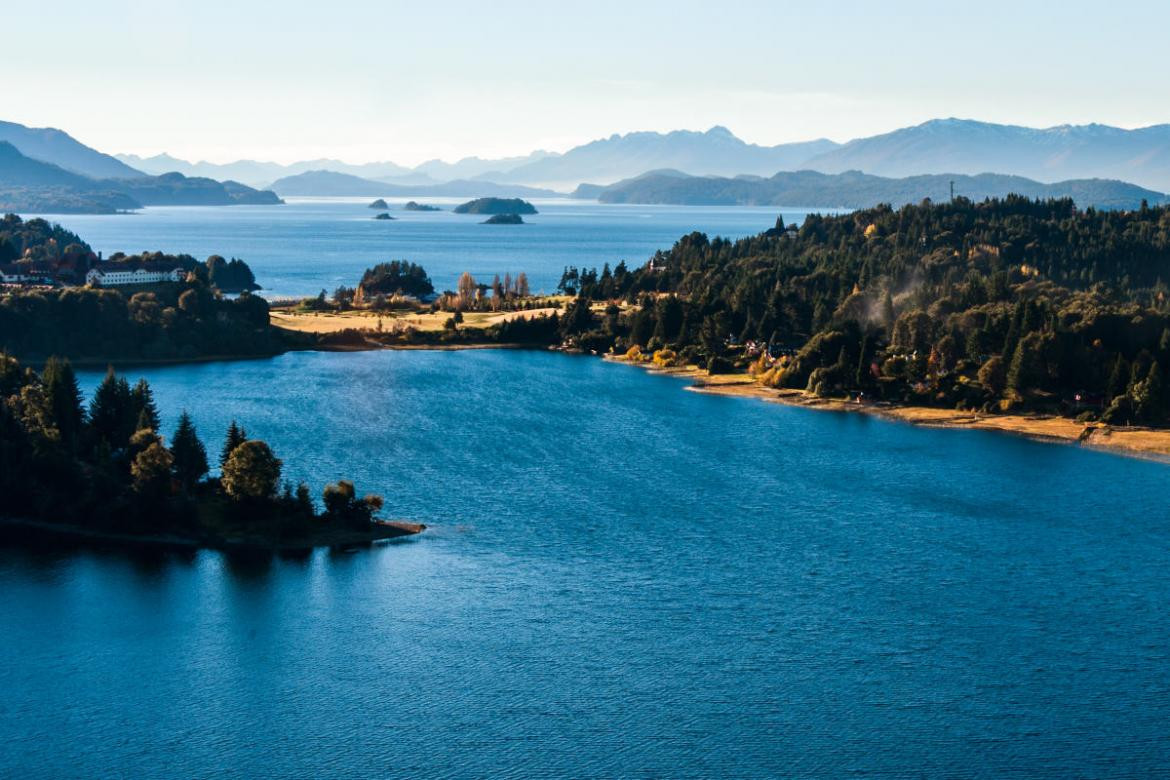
[[1011, 303], [37, 239], [106, 467], [231, 276], [179, 321], [174, 321]]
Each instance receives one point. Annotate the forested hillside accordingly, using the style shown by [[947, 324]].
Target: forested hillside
[[1010, 303]]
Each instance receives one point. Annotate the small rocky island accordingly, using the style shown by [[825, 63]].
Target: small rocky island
[[413, 205], [380, 203], [503, 219], [500, 206], [383, 215]]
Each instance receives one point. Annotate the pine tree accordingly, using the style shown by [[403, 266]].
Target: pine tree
[[235, 437], [145, 409], [974, 345], [190, 457], [1118, 379], [862, 376], [888, 316], [710, 338], [1148, 395], [111, 415], [1013, 335], [1023, 373], [64, 397]]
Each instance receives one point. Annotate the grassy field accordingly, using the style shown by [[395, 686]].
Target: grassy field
[[293, 318], [332, 322]]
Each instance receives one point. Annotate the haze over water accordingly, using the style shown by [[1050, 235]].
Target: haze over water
[[306, 245]]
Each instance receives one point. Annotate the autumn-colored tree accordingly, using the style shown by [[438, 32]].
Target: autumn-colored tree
[[151, 470], [252, 471]]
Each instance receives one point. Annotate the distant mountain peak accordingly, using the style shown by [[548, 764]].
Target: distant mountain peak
[[48, 144], [969, 146]]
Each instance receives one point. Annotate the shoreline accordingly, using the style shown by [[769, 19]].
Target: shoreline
[[1134, 442], [1128, 441], [381, 531], [86, 362]]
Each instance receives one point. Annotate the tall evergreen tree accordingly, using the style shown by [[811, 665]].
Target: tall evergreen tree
[[888, 315], [1149, 397], [145, 409], [1118, 379], [64, 398], [190, 457], [111, 415], [235, 437], [1024, 371]]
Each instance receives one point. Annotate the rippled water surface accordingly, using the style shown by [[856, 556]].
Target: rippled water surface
[[621, 579]]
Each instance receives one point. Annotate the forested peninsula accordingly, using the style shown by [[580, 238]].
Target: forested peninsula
[[1001, 306], [1010, 306], [990, 310], [106, 472]]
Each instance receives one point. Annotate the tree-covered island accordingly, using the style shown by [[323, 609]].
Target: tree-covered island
[[495, 206]]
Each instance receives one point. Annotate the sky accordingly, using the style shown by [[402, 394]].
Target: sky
[[410, 81]]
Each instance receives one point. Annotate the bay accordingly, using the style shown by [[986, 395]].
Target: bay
[[621, 578]]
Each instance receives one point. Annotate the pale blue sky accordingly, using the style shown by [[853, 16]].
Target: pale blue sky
[[407, 81]]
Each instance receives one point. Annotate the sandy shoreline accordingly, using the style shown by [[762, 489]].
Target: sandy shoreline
[[1131, 441]]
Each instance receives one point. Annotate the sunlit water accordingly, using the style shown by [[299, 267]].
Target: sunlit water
[[621, 578], [305, 245]]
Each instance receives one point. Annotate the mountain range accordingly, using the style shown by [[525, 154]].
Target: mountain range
[[1141, 156], [262, 174], [715, 152], [854, 189], [327, 183], [37, 186], [1067, 155], [940, 146]]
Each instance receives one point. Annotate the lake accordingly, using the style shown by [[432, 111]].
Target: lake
[[621, 578], [308, 245]]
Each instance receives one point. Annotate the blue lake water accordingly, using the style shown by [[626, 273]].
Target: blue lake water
[[621, 579], [307, 245]]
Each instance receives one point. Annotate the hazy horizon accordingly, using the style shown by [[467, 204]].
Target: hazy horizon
[[397, 82]]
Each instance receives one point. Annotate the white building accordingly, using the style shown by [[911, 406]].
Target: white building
[[111, 276], [15, 274]]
